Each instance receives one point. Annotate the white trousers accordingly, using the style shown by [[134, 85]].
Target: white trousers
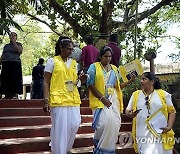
[[65, 123]]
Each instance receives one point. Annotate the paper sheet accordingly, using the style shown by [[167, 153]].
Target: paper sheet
[[131, 67], [157, 122]]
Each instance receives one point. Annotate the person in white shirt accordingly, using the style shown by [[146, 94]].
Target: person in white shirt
[[143, 105]]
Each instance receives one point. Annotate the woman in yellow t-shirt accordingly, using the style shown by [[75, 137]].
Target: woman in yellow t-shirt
[[62, 97]]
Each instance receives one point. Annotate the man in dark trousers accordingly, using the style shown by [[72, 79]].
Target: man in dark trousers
[[38, 77], [116, 51]]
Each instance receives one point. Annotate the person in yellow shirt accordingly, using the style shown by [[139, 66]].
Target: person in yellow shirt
[[106, 101], [145, 104], [62, 97]]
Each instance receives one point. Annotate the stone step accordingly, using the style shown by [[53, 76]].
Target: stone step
[[33, 103], [24, 121], [87, 150], [24, 131], [13, 112], [33, 120], [17, 145], [38, 120], [26, 145], [36, 131], [12, 103], [4, 112], [44, 130]]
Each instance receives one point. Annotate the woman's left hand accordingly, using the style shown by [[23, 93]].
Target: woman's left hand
[[133, 76], [166, 129], [83, 77]]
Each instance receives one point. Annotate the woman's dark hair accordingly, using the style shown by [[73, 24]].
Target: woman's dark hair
[[151, 76], [62, 42], [103, 51]]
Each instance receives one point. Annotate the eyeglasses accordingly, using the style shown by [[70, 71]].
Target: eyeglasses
[[147, 104], [70, 49]]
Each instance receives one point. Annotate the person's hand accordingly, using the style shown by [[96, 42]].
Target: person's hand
[[166, 129], [132, 114], [106, 102], [83, 77], [46, 106], [133, 76]]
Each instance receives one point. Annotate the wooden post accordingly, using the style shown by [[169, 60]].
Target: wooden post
[[150, 57], [152, 69], [24, 91]]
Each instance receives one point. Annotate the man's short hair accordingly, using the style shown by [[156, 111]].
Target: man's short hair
[[41, 60], [113, 37], [89, 39]]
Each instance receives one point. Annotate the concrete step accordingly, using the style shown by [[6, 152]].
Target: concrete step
[[4, 112], [87, 150], [44, 130], [33, 103], [24, 121], [24, 131], [34, 111], [13, 112], [26, 145], [12, 103], [25, 128], [33, 120], [17, 145], [36, 131], [84, 102]]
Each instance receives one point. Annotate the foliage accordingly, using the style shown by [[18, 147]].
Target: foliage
[[128, 90], [92, 17], [7, 8], [172, 86], [77, 18], [175, 57], [35, 45], [127, 43]]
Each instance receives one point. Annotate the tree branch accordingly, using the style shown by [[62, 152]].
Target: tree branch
[[106, 19], [65, 15], [126, 13], [151, 11], [44, 22], [92, 13], [122, 25]]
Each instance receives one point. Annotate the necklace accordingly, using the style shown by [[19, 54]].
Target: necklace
[[107, 69], [148, 100]]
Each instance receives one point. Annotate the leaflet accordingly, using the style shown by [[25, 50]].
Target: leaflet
[[157, 122]]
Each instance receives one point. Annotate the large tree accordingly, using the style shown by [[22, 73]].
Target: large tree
[[89, 16], [102, 17], [93, 16]]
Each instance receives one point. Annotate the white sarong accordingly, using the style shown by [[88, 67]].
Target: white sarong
[[65, 124], [107, 128]]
